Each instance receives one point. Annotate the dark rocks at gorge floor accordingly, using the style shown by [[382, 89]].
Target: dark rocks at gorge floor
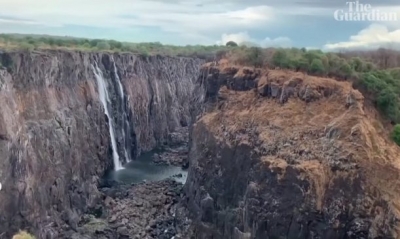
[[176, 151], [172, 156], [139, 211]]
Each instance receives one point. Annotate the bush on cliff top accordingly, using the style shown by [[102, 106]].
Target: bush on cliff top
[[396, 134], [384, 90]]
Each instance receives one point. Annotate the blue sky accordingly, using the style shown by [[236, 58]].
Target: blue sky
[[267, 23]]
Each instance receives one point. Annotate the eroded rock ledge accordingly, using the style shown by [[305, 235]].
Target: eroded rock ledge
[[278, 154]]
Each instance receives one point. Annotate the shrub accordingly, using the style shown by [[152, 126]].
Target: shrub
[[251, 56], [102, 45], [256, 56], [27, 47], [396, 134], [357, 64], [280, 58], [345, 70], [86, 46], [317, 67], [231, 44], [384, 90]]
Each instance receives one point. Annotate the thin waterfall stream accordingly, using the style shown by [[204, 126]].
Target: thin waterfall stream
[[105, 100], [125, 121]]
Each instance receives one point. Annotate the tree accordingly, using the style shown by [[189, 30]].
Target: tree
[[231, 44], [94, 42], [369, 66], [313, 54], [51, 42], [220, 54], [86, 45], [388, 103], [103, 45], [345, 69], [115, 44], [317, 67], [255, 56], [395, 72], [357, 64], [280, 58], [302, 64], [27, 47], [396, 134]]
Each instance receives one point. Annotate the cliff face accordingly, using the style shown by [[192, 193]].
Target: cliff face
[[278, 154], [54, 135]]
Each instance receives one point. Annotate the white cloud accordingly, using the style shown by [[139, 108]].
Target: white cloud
[[245, 38], [373, 37], [276, 42], [312, 48], [239, 38], [19, 22], [173, 17]]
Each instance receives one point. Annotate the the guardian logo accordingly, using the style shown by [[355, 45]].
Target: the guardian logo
[[357, 11]]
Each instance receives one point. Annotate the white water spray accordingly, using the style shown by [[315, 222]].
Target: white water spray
[[104, 98]]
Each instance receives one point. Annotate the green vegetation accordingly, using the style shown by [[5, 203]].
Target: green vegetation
[[396, 134], [385, 89], [231, 44], [313, 62], [243, 55], [30, 43]]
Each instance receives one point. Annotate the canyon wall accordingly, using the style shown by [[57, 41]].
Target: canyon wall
[[54, 137], [279, 154]]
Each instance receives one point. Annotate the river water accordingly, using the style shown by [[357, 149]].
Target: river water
[[143, 168]]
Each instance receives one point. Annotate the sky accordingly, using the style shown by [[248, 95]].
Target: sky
[[317, 24]]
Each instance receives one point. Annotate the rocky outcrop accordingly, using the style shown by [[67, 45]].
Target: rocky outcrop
[[55, 142], [278, 154], [144, 210]]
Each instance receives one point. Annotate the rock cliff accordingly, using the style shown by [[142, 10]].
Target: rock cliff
[[273, 154], [278, 154], [54, 137]]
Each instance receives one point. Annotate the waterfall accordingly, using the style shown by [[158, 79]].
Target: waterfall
[[112, 96], [105, 100], [125, 122]]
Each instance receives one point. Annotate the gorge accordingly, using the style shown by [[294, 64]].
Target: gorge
[[270, 153]]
